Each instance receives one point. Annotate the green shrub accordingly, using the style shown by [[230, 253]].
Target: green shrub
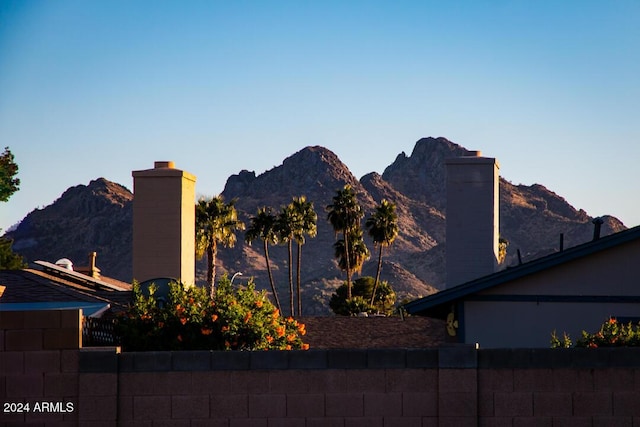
[[361, 297], [242, 319], [558, 343], [611, 334]]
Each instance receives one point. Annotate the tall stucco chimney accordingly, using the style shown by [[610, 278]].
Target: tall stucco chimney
[[473, 203], [164, 223]]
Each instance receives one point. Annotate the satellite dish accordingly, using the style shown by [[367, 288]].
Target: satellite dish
[[162, 288], [452, 325]]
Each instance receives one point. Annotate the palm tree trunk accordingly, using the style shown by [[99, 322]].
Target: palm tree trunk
[[291, 278], [298, 279], [375, 284], [273, 286], [211, 268], [346, 256]]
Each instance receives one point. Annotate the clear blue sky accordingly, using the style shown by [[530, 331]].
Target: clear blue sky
[[94, 89]]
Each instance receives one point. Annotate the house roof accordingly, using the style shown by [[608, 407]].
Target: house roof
[[46, 290], [343, 332], [438, 305], [82, 279]]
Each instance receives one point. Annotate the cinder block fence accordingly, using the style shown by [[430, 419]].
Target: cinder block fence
[[43, 365]]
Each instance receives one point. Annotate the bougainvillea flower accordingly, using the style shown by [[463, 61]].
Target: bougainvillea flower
[[301, 329]]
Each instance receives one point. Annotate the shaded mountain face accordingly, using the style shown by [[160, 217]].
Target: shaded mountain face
[[313, 172], [86, 218], [531, 217], [98, 218], [421, 176]]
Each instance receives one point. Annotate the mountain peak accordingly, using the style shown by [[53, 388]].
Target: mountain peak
[[421, 176], [315, 157], [430, 145], [98, 217], [307, 171], [85, 218], [100, 191]]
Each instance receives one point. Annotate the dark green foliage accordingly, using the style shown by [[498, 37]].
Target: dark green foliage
[[305, 224], [216, 223], [358, 251], [8, 170], [8, 259], [611, 334], [344, 215], [263, 226], [362, 290], [242, 319], [382, 226]]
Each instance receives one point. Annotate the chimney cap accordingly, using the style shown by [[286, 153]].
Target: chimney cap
[[474, 153], [164, 165]]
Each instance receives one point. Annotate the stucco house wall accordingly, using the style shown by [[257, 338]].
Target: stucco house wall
[[571, 297]]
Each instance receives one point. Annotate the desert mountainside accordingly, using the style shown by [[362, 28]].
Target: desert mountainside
[[98, 217]]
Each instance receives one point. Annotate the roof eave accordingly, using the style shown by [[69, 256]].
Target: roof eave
[[431, 305]]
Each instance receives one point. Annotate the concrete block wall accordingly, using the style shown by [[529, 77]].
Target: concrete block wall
[[544, 387], [447, 386], [348, 387], [39, 381]]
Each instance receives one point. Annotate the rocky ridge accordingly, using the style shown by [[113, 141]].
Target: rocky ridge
[[98, 217]]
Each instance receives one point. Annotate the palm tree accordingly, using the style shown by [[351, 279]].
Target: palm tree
[[357, 250], [382, 226], [305, 224], [285, 226], [216, 223], [502, 249], [263, 227], [344, 215]]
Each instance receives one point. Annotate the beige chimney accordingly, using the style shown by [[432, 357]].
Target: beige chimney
[[94, 271], [472, 216], [164, 223], [91, 270]]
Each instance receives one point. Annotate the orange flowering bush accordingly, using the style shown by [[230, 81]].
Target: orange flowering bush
[[611, 334], [242, 319]]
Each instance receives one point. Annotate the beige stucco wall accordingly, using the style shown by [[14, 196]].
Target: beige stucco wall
[[164, 223], [472, 226], [612, 272], [530, 324]]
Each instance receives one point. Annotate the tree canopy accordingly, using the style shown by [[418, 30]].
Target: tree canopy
[[216, 223], [363, 288], [382, 226], [263, 226], [344, 215], [9, 184]]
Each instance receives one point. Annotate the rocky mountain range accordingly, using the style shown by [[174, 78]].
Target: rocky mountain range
[[98, 218]]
